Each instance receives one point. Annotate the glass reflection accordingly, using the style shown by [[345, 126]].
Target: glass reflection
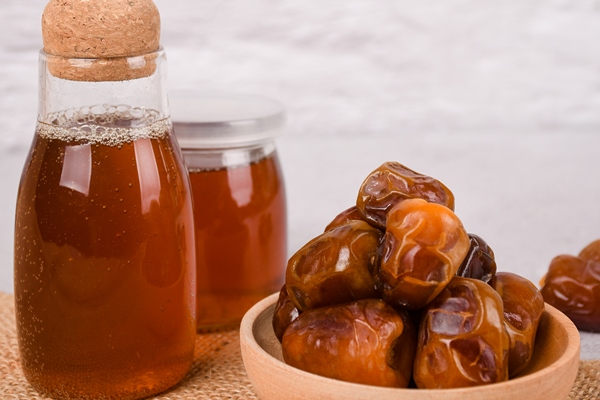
[[77, 168]]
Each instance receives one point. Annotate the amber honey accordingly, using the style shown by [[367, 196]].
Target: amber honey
[[104, 261], [240, 222]]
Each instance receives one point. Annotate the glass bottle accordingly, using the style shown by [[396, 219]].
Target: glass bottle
[[104, 241], [228, 143]]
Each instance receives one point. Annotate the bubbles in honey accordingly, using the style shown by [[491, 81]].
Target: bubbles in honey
[[104, 125]]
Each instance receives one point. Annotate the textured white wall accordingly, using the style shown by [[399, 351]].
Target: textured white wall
[[361, 67], [356, 67]]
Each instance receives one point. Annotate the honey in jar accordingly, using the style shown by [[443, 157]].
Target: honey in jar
[[104, 246], [239, 200]]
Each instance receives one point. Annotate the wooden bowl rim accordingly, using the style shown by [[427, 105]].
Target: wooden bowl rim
[[571, 351]]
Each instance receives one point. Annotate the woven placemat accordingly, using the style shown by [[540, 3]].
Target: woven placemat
[[217, 371]]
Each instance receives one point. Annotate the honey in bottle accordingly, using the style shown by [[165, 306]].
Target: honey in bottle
[[239, 200], [104, 240]]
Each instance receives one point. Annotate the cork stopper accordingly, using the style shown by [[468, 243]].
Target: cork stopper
[[101, 40]]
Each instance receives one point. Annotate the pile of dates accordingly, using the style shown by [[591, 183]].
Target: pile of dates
[[396, 293], [572, 285]]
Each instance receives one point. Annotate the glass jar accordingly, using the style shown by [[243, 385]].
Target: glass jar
[[104, 239], [239, 200]]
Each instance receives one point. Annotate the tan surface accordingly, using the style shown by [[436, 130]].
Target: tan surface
[[217, 372]]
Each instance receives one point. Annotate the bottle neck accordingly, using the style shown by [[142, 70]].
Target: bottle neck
[[68, 102]]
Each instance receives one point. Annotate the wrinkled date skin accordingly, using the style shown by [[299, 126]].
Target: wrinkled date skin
[[348, 215], [285, 312], [423, 247], [591, 251], [462, 339], [479, 262], [572, 285], [391, 183], [335, 267], [523, 310], [366, 342]]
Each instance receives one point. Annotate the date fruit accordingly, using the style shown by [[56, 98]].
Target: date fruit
[[572, 285], [423, 247], [591, 251], [365, 341], [523, 310], [334, 267], [392, 183], [350, 214], [462, 338], [401, 258], [479, 262], [285, 312]]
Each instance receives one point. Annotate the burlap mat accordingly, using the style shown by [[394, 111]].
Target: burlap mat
[[217, 371]]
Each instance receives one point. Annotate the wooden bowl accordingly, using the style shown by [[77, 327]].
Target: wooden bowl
[[550, 375]]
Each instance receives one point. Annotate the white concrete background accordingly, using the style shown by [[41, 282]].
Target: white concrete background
[[499, 100]]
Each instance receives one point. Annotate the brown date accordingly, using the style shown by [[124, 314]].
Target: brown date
[[423, 247], [391, 183], [365, 341], [523, 310], [462, 338], [572, 285], [350, 214], [591, 251], [285, 312], [334, 267], [479, 262]]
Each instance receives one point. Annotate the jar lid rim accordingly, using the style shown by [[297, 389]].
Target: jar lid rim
[[208, 119]]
